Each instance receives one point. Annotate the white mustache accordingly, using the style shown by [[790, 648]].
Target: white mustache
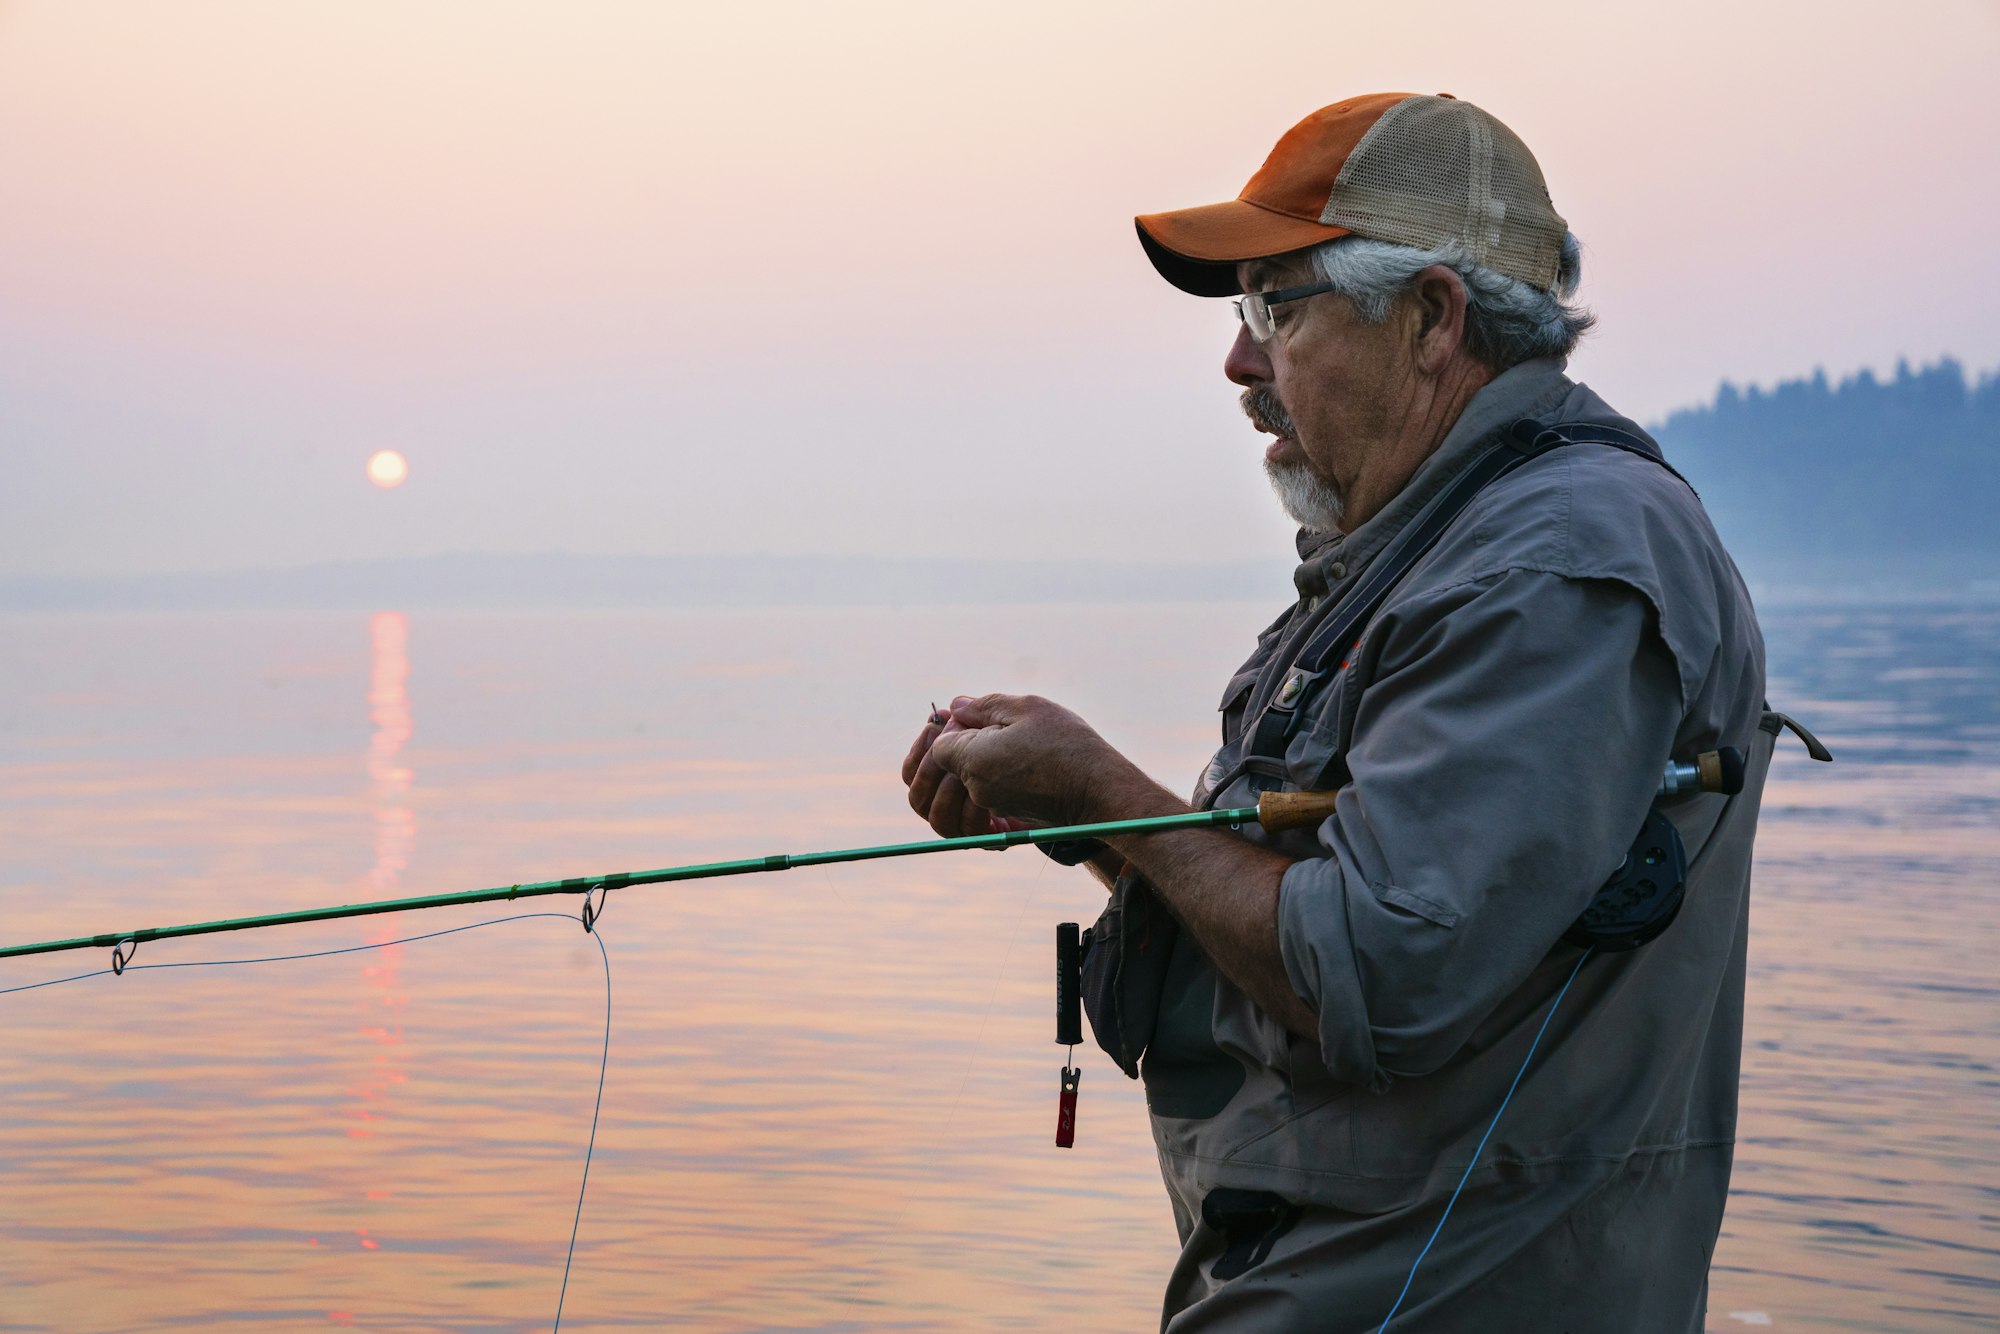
[[1266, 411]]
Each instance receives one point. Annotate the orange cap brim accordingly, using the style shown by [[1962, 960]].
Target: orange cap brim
[[1198, 249]]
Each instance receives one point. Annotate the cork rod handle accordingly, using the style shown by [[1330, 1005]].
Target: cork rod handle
[[1294, 810]]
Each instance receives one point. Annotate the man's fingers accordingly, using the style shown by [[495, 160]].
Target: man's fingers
[[924, 781], [1001, 759], [942, 800], [947, 752], [987, 710], [929, 772], [921, 746], [947, 812], [973, 819], [952, 810]]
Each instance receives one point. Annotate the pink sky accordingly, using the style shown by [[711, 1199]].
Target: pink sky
[[857, 277]]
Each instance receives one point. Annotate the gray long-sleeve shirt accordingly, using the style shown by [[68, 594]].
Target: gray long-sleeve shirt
[[1497, 735]]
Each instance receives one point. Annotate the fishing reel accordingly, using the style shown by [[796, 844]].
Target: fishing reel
[[1643, 896]]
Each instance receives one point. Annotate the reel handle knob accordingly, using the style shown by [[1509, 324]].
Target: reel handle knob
[[1720, 770]]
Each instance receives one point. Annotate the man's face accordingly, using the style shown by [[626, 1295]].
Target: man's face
[[1332, 391]]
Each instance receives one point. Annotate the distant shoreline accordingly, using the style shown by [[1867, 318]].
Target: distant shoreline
[[581, 583], [558, 580]]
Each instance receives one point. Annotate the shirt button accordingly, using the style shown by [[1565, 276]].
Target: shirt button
[[1337, 570]]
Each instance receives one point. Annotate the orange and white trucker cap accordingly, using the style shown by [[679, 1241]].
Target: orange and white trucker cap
[[1401, 167]]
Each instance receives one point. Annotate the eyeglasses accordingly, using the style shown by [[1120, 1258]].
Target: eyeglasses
[[1254, 308]]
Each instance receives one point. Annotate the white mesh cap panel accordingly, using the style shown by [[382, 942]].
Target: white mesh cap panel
[[1433, 170]]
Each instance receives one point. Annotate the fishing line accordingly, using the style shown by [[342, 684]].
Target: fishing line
[[603, 1062], [590, 1148], [1467, 1174]]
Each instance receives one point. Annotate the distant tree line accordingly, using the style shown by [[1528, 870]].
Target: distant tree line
[[1866, 473]]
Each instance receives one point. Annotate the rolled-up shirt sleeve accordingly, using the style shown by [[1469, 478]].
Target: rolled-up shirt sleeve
[[1507, 743]]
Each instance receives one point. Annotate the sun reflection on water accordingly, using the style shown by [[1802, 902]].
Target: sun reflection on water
[[382, 1000], [389, 711]]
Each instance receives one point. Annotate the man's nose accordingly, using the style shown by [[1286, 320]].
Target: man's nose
[[1246, 363]]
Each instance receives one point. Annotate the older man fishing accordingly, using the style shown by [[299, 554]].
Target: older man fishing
[[1510, 613]]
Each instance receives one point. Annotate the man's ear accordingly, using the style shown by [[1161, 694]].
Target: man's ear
[[1438, 300]]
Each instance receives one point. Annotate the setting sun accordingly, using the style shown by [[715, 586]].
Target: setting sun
[[387, 469]]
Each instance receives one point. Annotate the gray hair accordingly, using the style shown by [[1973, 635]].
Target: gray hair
[[1507, 321]]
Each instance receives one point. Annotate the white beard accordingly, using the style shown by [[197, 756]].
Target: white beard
[[1314, 503]]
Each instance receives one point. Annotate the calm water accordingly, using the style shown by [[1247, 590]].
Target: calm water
[[831, 1092]]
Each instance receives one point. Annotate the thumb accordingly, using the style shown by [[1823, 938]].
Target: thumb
[[986, 711]]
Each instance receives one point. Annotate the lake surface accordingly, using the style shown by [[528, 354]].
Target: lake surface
[[831, 1093]]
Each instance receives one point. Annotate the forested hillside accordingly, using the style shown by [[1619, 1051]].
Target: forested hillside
[[1864, 478]]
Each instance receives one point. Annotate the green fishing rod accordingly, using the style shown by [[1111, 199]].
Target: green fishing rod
[[1274, 811]]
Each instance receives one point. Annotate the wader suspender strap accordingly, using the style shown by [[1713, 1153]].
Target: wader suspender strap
[[1524, 440]]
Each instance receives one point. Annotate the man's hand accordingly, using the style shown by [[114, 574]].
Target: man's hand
[[944, 801], [1001, 761], [1004, 761]]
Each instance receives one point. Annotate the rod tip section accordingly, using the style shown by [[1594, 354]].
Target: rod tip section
[[1294, 810]]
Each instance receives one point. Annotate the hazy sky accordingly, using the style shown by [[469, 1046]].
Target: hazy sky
[[858, 277]]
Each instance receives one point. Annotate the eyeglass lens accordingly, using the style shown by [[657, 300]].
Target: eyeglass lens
[[1255, 313]]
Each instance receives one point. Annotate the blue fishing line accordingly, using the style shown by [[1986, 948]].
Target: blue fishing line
[[603, 1062], [1467, 1174]]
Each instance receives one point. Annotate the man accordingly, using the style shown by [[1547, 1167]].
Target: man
[[1327, 1021]]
